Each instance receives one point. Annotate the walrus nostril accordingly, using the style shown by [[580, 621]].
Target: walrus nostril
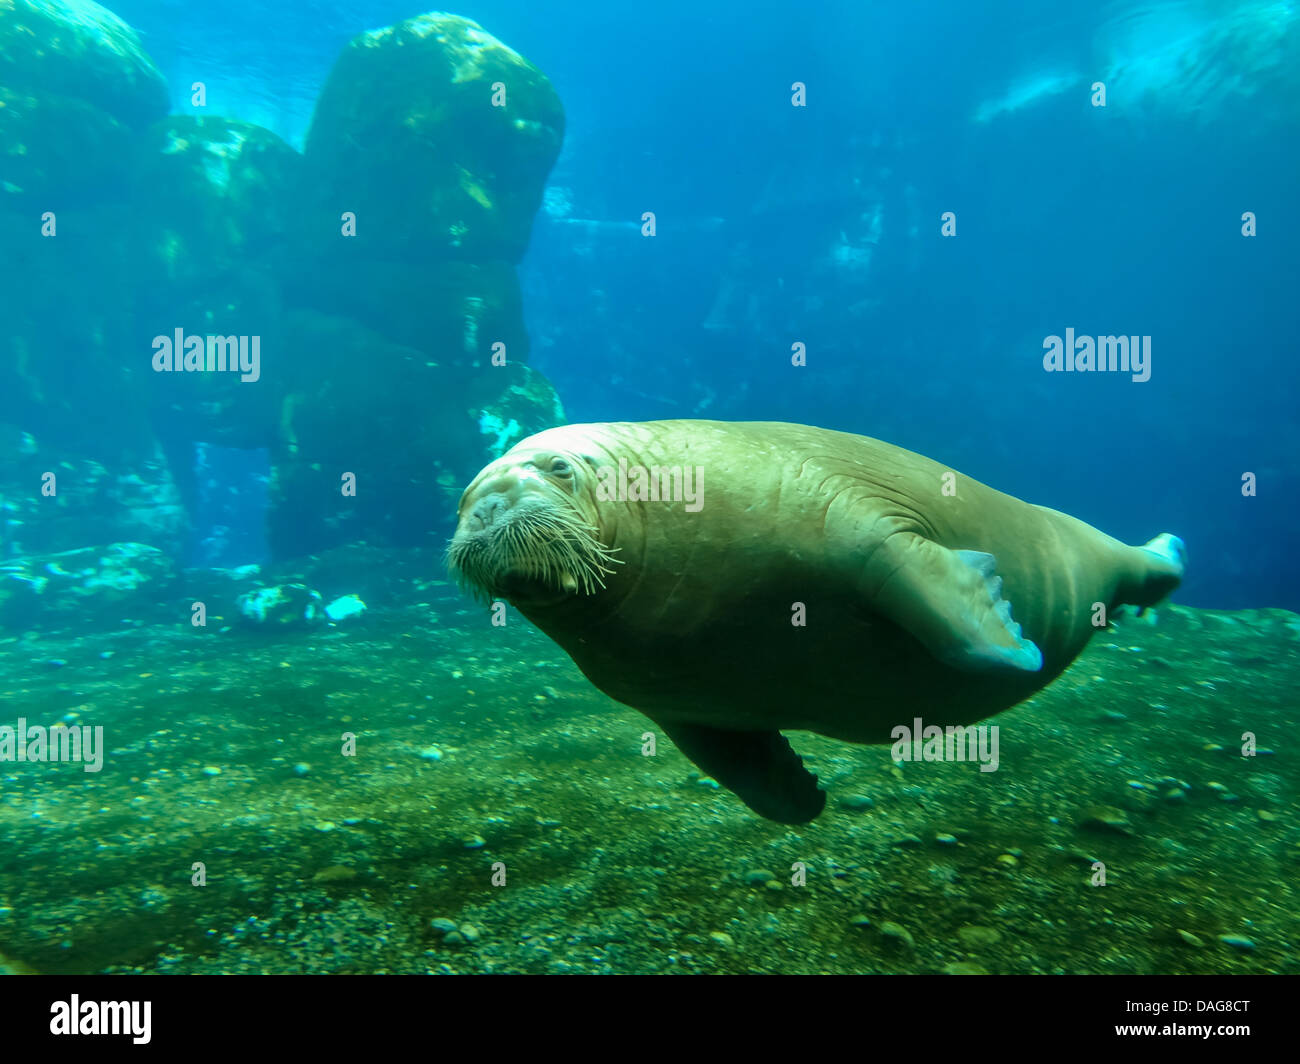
[[487, 510]]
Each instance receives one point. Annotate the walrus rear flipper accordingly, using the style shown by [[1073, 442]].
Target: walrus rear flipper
[[758, 767]]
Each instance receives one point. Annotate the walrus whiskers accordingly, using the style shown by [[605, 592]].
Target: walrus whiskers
[[555, 547]]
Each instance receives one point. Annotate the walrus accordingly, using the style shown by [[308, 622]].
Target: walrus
[[734, 580]]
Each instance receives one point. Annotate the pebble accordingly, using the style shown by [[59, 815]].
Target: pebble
[[301, 768], [1106, 818], [974, 936], [453, 938], [1007, 860], [856, 802], [442, 925], [963, 968], [1190, 939], [898, 933], [1175, 794], [1266, 816], [908, 840], [709, 782], [470, 932], [861, 920], [1237, 942], [474, 842], [722, 939], [210, 770], [759, 877], [944, 839], [431, 753]]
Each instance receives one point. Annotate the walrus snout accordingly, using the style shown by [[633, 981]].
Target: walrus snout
[[486, 511], [490, 497]]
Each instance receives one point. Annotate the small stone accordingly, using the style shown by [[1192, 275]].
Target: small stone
[[908, 841], [470, 932], [722, 939], [453, 938], [945, 839], [442, 925], [431, 753], [55, 663], [301, 768], [1007, 860], [973, 936], [1266, 816], [772, 884], [1215, 785], [709, 782], [759, 877], [1190, 939], [1106, 818], [856, 802], [326, 825], [1237, 942], [898, 934], [335, 874], [861, 920], [474, 842], [963, 968], [210, 770], [1175, 794]]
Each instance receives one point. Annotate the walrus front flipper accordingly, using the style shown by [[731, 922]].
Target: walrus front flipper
[[951, 600], [759, 767]]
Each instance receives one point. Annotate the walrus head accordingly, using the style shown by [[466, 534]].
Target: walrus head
[[528, 529]]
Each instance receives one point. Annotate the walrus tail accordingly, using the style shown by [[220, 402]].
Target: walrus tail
[[1165, 562]]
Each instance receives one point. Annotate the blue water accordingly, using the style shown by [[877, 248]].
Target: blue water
[[822, 225]]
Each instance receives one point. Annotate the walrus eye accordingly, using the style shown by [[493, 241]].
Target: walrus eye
[[560, 467]]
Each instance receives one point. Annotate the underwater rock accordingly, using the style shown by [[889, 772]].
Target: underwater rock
[[74, 84], [452, 311], [282, 606], [897, 934], [341, 609], [78, 48], [82, 268], [86, 586], [439, 138], [218, 193], [1106, 819], [214, 201], [138, 503]]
